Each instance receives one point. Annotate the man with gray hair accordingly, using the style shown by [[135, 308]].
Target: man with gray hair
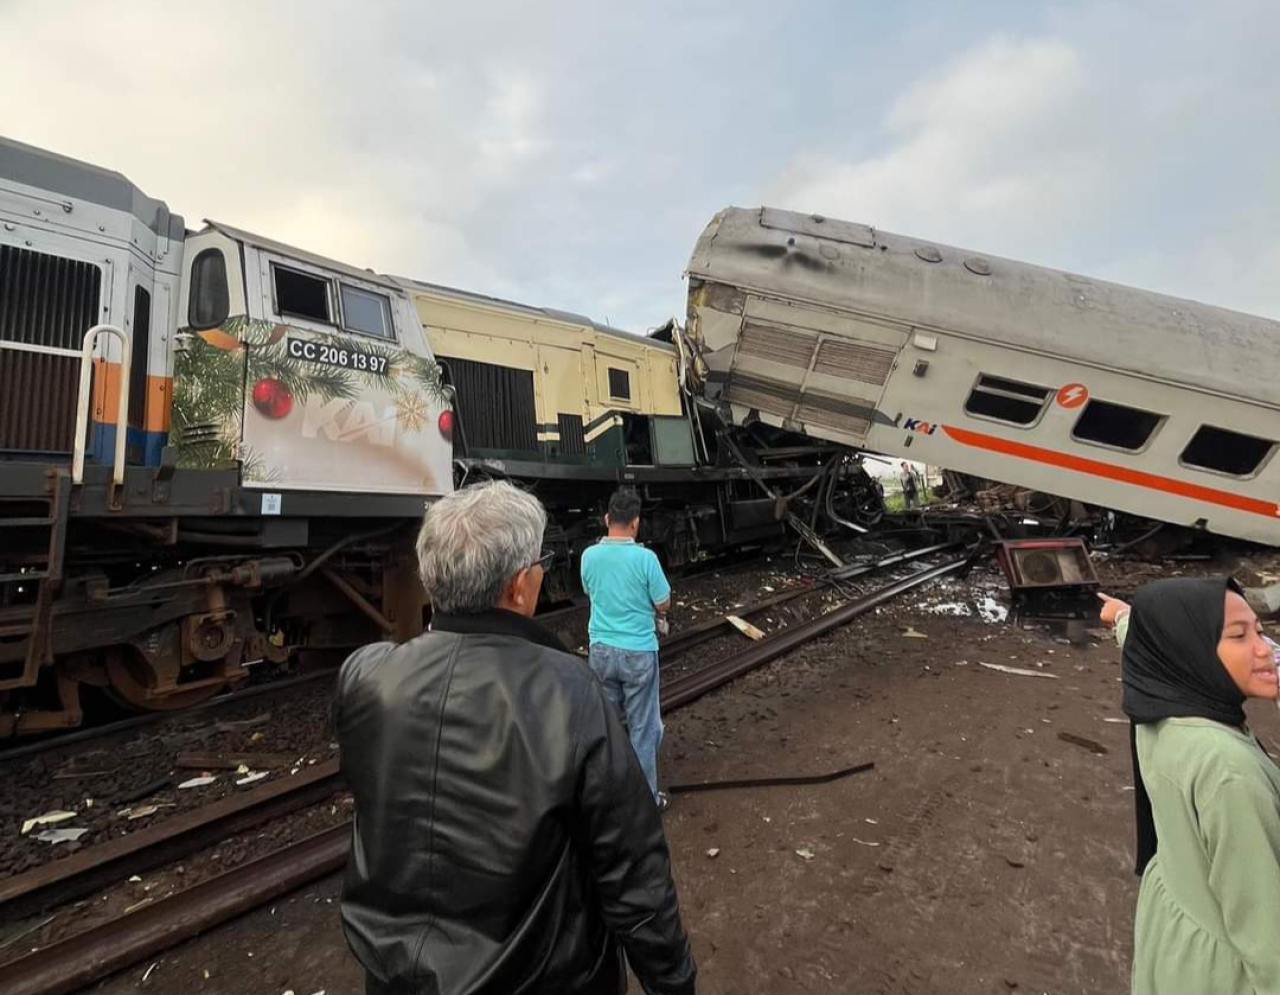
[[505, 839]]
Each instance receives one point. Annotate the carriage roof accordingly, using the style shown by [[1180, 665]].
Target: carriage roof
[[856, 267]]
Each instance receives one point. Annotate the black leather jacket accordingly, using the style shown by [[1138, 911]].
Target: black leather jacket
[[505, 838]]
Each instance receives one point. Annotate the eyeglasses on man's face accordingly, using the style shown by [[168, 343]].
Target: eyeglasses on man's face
[[545, 560]]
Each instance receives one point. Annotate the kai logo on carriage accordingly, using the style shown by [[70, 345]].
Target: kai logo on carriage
[[920, 427]]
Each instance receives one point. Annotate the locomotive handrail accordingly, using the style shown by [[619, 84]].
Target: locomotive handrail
[[84, 397]]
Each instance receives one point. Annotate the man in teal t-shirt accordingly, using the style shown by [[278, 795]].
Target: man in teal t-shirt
[[629, 599]]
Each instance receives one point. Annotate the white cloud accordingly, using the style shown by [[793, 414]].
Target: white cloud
[[976, 149], [568, 154]]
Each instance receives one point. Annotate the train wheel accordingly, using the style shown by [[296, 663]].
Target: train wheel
[[132, 680]]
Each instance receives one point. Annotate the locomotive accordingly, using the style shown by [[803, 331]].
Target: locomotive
[[215, 448]]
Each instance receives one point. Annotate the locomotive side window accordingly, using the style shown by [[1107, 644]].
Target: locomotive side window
[[1006, 400], [210, 298], [619, 384], [1225, 451], [1115, 425], [365, 312], [301, 294], [46, 300]]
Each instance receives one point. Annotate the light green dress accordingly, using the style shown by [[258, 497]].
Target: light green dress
[[1208, 916]]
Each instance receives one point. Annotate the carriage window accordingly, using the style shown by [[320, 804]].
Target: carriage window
[[210, 300], [1115, 425], [1006, 400], [301, 294], [1225, 451], [365, 312], [619, 384]]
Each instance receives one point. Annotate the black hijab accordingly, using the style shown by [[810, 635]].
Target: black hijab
[[1171, 668]]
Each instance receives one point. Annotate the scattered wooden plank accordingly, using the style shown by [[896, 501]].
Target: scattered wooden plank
[[745, 627], [232, 761], [1018, 671]]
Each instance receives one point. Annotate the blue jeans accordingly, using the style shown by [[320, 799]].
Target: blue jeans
[[630, 679]]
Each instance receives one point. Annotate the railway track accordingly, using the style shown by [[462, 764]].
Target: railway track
[[107, 730], [82, 958]]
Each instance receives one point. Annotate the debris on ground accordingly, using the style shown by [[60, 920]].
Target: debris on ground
[[67, 835], [47, 819], [198, 782], [805, 853]]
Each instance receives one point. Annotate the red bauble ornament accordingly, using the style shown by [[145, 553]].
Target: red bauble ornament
[[445, 424], [272, 398]]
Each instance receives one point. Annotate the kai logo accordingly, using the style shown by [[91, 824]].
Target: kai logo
[[920, 427], [349, 421], [1072, 395]]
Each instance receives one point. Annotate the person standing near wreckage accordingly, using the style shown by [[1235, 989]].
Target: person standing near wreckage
[[1207, 797], [909, 489], [629, 599], [504, 838]]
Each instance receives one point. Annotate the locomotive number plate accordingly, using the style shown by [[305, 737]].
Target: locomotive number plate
[[341, 356]]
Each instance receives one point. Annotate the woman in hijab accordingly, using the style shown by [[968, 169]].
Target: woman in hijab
[[1207, 796]]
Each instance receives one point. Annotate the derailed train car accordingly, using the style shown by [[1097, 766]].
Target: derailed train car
[[1115, 397]]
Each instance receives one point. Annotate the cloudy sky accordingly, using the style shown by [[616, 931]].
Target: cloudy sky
[[568, 154]]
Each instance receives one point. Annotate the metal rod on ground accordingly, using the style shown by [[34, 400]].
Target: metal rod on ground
[[82, 959], [683, 691]]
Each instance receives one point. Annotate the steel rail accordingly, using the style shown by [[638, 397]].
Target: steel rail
[[83, 958], [62, 740], [93, 868], [695, 635], [686, 689]]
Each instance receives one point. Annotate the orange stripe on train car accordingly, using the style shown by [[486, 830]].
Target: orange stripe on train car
[[106, 397], [1111, 471]]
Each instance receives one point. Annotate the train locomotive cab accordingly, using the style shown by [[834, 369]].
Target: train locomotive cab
[[214, 449]]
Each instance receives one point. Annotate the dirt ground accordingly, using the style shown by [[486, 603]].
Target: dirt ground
[[982, 853]]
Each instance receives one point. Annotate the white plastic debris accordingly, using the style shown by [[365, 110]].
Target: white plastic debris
[[61, 835], [149, 970], [713, 852], [47, 819], [142, 811], [135, 879], [198, 782], [243, 769], [806, 853], [253, 777], [863, 842]]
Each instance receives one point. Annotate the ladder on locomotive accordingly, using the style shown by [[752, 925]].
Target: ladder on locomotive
[[33, 535]]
